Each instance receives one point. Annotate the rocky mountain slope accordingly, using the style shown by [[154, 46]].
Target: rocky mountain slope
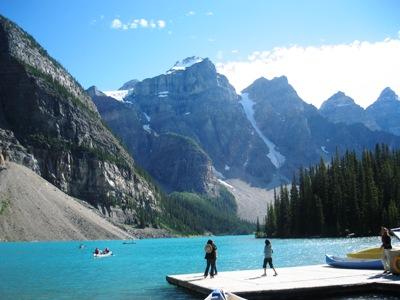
[[50, 124], [342, 109], [33, 209], [197, 102], [260, 137], [175, 161], [382, 115], [386, 111], [193, 101], [299, 131]]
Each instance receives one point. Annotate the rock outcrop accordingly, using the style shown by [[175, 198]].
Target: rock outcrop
[[342, 109], [300, 132], [191, 100], [386, 111], [56, 128], [177, 163]]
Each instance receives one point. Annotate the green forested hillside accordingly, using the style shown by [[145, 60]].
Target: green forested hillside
[[198, 214], [350, 195]]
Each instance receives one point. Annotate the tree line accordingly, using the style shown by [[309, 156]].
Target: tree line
[[191, 213], [351, 194]]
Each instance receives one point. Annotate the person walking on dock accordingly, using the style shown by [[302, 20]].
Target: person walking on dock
[[386, 245], [211, 257], [268, 258]]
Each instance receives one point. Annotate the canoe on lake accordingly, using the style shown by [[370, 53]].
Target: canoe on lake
[[354, 263]]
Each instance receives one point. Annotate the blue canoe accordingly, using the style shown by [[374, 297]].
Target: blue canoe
[[353, 263]]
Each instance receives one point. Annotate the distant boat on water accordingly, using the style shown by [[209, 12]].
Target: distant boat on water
[[130, 242]]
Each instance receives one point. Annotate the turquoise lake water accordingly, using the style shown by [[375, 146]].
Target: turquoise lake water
[[60, 270]]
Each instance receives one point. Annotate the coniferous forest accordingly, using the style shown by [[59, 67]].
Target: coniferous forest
[[352, 194]]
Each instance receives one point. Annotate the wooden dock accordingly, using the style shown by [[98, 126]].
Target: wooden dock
[[294, 282]]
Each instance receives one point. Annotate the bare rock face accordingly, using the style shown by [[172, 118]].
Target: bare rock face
[[193, 102], [342, 109], [181, 164], [386, 111], [300, 131], [53, 118], [196, 102], [178, 163], [12, 150]]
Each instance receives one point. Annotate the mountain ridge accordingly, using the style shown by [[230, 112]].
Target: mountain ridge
[[46, 112]]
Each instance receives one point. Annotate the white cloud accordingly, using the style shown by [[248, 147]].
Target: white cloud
[[136, 23], [360, 69], [209, 13], [190, 13], [161, 23], [235, 51], [116, 24], [211, 40], [144, 23]]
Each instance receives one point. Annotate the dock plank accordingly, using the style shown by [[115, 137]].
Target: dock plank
[[292, 282]]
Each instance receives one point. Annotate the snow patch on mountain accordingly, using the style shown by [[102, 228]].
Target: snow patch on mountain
[[163, 94], [323, 148], [226, 184], [186, 63], [147, 128], [118, 94], [217, 174], [274, 156], [147, 117]]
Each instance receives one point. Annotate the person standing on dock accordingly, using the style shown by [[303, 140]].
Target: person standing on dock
[[268, 258], [211, 257], [386, 245]]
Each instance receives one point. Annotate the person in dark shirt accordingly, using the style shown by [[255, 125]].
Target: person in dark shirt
[[211, 257], [386, 245]]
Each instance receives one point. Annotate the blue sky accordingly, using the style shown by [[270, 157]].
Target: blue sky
[[106, 43]]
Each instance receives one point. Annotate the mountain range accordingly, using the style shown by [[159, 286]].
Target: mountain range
[[169, 149], [261, 136], [382, 115]]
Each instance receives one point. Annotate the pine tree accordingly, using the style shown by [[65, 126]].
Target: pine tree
[[295, 213]]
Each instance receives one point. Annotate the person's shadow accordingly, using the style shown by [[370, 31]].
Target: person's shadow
[[257, 277], [389, 276]]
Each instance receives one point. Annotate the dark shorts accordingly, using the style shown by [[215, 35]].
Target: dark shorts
[[268, 261]]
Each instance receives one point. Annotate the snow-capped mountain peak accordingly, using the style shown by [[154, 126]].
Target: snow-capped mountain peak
[[186, 63]]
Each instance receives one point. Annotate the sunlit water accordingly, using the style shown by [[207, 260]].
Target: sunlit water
[[60, 270]]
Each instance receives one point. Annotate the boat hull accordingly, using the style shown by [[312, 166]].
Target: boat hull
[[369, 253], [351, 263], [221, 295]]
